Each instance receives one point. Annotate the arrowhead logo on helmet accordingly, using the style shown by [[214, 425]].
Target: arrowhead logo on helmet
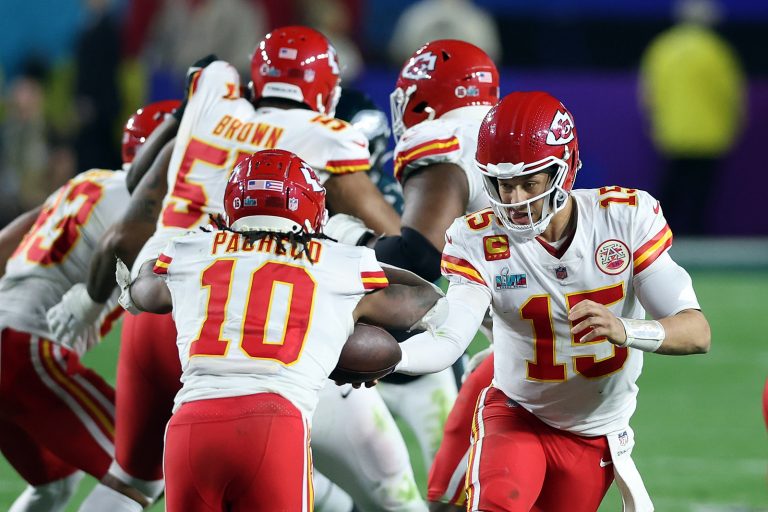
[[561, 129], [441, 76], [419, 66]]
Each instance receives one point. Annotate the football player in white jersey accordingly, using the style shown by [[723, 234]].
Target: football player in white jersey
[[441, 95], [56, 416], [569, 275], [270, 283], [295, 81]]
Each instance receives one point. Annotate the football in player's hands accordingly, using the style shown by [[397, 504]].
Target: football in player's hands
[[370, 353]]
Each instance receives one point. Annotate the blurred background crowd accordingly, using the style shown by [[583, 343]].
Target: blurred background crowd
[[668, 94]]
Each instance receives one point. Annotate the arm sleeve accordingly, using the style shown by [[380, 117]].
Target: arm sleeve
[[412, 251], [665, 289], [429, 353]]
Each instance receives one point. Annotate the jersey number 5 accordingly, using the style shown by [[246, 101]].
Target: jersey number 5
[[276, 317], [545, 367], [185, 210]]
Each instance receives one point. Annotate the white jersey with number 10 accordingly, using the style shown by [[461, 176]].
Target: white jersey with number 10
[[252, 318]]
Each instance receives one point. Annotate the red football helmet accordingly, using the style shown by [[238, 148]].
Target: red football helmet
[[525, 133], [275, 190], [441, 76], [141, 124], [297, 63]]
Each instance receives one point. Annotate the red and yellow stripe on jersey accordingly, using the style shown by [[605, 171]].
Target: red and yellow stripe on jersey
[[374, 280], [347, 166], [161, 265], [451, 265], [652, 249], [429, 148]]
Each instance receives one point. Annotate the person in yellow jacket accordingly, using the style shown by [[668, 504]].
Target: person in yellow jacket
[[692, 87]]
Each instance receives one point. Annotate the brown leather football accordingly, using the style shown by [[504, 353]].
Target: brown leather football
[[370, 353]]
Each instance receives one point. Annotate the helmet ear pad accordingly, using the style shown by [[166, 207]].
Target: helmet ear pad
[[275, 190]]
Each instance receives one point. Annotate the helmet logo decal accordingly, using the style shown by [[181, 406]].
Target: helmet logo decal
[[287, 53], [275, 185], [484, 77], [267, 70], [293, 204], [463, 92], [561, 129], [419, 66], [249, 201], [309, 175]]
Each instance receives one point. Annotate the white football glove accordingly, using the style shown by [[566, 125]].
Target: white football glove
[[346, 229], [72, 320], [475, 361], [123, 278]]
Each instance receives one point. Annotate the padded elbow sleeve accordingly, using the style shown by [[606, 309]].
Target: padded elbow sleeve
[[411, 251]]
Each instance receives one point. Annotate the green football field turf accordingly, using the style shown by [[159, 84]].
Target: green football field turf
[[701, 440]]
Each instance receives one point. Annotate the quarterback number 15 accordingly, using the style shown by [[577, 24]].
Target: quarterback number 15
[[544, 367]]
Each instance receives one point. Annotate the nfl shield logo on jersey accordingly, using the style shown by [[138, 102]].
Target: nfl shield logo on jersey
[[561, 272], [623, 438]]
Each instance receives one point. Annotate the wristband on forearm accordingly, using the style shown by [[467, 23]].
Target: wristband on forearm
[[645, 335]]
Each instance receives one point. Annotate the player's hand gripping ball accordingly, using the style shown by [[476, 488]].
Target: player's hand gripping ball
[[370, 353]]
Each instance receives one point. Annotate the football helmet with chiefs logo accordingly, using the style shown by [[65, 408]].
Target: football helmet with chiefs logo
[[526, 133], [299, 64], [141, 124], [274, 190], [441, 76]]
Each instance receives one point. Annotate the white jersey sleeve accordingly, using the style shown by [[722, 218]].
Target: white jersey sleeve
[[651, 236], [662, 286], [346, 148], [427, 143], [56, 252], [451, 139], [455, 263], [372, 276]]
